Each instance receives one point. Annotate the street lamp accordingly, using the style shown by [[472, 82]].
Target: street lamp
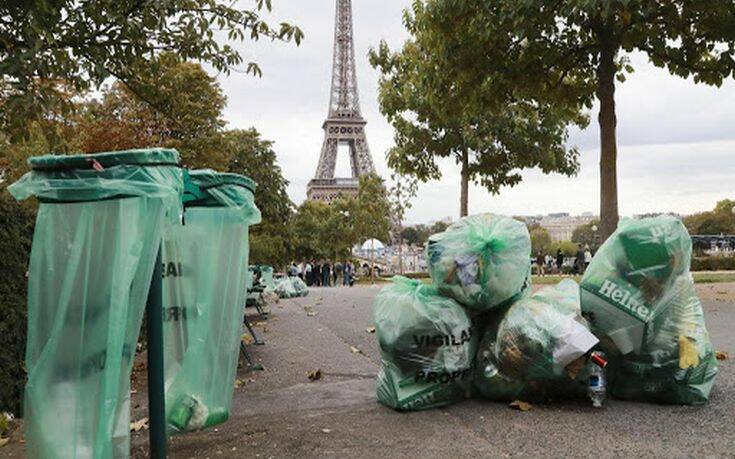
[[594, 236]]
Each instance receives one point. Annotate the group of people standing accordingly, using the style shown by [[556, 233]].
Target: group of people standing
[[547, 264], [323, 273]]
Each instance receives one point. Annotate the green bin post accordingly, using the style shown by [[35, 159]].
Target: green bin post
[[156, 396]]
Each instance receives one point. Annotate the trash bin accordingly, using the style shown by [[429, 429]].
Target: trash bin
[[205, 269], [95, 244]]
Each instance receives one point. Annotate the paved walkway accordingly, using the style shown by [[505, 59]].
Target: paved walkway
[[280, 413]]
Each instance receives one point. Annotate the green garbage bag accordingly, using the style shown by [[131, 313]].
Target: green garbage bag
[[204, 298], [266, 278], [639, 296], [537, 349], [96, 240], [285, 288], [482, 261], [300, 286], [427, 347]]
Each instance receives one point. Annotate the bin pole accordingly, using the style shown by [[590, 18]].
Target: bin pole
[[156, 397]]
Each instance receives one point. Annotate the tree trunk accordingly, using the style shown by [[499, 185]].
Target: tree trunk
[[464, 194], [608, 144]]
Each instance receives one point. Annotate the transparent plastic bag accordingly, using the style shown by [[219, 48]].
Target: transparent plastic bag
[[639, 297], [285, 288], [205, 262], [299, 286], [532, 350], [482, 261], [427, 346], [97, 235]]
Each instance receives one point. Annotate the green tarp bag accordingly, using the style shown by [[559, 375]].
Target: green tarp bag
[[482, 261], [529, 353], [639, 297], [266, 278], [427, 347], [285, 288], [97, 235], [300, 286], [204, 292]]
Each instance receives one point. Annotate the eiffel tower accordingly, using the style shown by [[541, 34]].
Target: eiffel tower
[[344, 125]]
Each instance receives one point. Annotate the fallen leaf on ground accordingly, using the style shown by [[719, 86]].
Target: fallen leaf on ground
[[521, 405], [138, 425], [311, 314], [370, 329], [355, 350], [721, 355], [315, 375], [326, 430], [239, 383], [4, 441], [247, 339]]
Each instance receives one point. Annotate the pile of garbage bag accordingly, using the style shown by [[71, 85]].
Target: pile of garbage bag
[[482, 261], [291, 287], [427, 346], [538, 348], [285, 288], [300, 286], [639, 297], [635, 321]]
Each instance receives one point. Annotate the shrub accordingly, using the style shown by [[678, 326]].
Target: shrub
[[713, 264], [16, 233]]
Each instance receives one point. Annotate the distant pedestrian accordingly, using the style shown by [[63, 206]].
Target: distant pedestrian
[[539, 263], [347, 273], [587, 257], [318, 273], [326, 274], [559, 260], [307, 274], [579, 260], [338, 270], [293, 270]]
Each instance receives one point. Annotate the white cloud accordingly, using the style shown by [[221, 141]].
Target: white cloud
[[675, 138]]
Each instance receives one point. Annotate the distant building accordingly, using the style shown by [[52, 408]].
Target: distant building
[[561, 225]]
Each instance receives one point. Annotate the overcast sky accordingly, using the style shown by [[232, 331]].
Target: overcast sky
[[676, 139]]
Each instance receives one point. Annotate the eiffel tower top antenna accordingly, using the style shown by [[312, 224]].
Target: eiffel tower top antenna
[[344, 99], [345, 124]]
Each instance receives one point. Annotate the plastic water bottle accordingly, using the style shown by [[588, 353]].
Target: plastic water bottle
[[596, 384]]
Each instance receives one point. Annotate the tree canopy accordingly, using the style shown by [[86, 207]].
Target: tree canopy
[[329, 231], [588, 234], [578, 48], [86, 42], [183, 110], [271, 242], [443, 104], [721, 220]]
